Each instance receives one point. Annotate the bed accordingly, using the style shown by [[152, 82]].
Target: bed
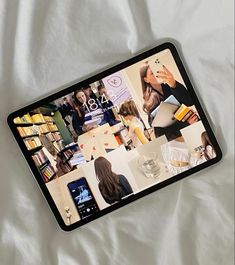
[[46, 45]]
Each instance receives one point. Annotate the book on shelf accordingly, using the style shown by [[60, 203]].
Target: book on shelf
[[39, 158], [24, 119], [58, 145], [32, 142], [44, 128], [48, 119], [38, 118], [48, 173], [67, 154], [27, 131], [17, 120], [50, 137], [56, 136], [52, 127]]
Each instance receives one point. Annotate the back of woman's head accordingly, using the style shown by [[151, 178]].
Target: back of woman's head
[[103, 168], [129, 108], [108, 179]]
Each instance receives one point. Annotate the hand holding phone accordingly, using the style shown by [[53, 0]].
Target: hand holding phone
[[156, 66], [166, 76]]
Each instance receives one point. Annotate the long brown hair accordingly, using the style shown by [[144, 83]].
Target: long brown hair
[[151, 97], [129, 108], [77, 104], [206, 142], [109, 181]]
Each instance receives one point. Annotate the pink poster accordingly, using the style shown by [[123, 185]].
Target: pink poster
[[116, 87]]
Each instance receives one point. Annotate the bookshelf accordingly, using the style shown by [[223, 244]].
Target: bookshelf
[[31, 128], [44, 141]]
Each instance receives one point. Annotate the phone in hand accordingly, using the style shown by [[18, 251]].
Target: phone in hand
[[156, 65]]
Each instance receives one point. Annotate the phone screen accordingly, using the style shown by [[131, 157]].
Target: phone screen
[[83, 198]]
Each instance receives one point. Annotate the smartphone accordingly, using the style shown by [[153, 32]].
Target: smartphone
[[108, 167], [156, 65], [83, 198]]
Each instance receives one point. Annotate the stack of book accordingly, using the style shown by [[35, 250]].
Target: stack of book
[[68, 154], [56, 136], [27, 131], [52, 127], [24, 119], [183, 113], [48, 173], [38, 118], [32, 143], [48, 119], [44, 128], [59, 145], [39, 158]]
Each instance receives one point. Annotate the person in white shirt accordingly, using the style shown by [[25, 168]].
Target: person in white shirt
[[177, 156]]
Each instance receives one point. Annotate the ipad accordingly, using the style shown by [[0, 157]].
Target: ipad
[[87, 168]]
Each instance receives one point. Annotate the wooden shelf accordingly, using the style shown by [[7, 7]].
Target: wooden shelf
[[24, 124], [39, 123], [28, 136], [68, 147], [35, 149], [67, 159], [41, 167]]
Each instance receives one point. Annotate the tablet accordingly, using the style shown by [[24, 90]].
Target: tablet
[[87, 171]]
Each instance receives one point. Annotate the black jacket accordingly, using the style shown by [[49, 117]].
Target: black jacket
[[125, 189], [183, 96]]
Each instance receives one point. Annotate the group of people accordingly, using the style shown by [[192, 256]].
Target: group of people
[[84, 105]]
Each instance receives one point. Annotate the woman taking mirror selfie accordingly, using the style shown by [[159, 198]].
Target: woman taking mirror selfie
[[155, 92]]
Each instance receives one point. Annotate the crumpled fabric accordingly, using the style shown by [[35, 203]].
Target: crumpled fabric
[[46, 45]]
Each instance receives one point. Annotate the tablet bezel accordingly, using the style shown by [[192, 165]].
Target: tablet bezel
[[129, 62]]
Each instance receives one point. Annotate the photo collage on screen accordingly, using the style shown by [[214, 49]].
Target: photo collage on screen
[[115, 137]]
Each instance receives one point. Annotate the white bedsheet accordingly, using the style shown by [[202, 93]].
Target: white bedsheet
[[46, 44]]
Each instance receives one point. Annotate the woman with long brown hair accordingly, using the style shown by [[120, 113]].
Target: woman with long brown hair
[[113, 187], [155, 92]]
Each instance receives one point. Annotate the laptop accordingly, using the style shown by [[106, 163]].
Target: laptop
[[164, 115]]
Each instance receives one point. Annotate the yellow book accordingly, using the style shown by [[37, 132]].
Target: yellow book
[[17, 120], [181, 112], [27, 117]]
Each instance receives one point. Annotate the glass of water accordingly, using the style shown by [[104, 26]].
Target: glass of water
[[149, 165]]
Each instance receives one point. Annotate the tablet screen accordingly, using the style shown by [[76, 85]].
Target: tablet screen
[[104, 142]]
